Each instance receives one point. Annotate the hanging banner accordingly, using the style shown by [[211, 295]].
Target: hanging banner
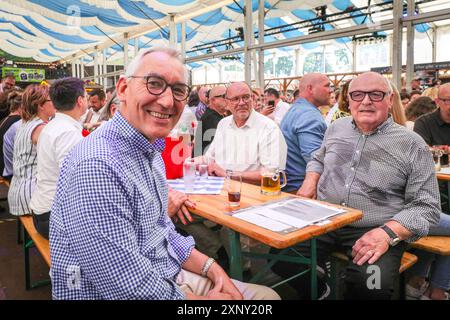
[[24, 75]]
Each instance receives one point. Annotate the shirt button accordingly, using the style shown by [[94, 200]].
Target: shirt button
[[357, 151], [346, 185], [352, 168]]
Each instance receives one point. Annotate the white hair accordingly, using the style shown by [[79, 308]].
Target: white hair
[[388, 83], [133, 66]]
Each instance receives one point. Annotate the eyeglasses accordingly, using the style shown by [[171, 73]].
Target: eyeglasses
[[157, 85], [374, 96], [446, 101], [245, 98]]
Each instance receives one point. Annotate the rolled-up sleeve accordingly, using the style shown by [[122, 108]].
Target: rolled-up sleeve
[[422, 207]]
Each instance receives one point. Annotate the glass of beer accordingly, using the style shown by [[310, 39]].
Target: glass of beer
[[271, 181], [233, 185]]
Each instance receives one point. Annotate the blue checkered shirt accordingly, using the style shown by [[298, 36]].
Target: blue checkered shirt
[[110, 235]]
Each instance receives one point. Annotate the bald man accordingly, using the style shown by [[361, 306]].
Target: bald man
[[206, 129], [303, 126], [370, 163], [434, 127]]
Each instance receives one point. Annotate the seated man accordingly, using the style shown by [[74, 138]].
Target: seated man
[[245, 141], [370, 163], [110, 233], [91, 119], [55, 141], [207, 126], [303, 127]]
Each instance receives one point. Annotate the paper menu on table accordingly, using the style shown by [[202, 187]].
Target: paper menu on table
[[445, 171], [287, 215]]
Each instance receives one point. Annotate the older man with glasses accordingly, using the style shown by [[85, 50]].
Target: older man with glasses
[[110, 232], [370, 163], [245, 141]]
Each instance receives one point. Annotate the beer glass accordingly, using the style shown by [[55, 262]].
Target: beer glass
[[233, 185], [271, 180]]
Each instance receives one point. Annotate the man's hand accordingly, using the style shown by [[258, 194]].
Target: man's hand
[[178, 205], [222, 284], [215, 170], [309, 186], [267, 110], [370, 247]]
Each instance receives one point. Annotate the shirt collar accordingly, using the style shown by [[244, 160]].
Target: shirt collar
[[136, 138], [305, 103], [251, 121], [380, 129], [69, 119]]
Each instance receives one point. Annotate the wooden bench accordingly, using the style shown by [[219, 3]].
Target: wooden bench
[[408, 260], [435, 244], [32, 237]]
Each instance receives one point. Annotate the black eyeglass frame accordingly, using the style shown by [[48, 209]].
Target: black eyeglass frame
[[156, 93], [383, 95]]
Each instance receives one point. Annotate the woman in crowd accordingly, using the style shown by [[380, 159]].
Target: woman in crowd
[[111, 107], [14, 103], [418, 108], [397, 110], [340, 109], [37, 111]]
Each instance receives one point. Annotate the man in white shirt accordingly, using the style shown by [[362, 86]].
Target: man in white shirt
[[275, 108], [56, 140], [97, 100], [8, 83], [245, 141]]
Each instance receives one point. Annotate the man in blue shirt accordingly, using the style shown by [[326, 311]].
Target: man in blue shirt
[[303, 127], [110, 233]]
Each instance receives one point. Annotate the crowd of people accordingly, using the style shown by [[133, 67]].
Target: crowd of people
[[117, 231]]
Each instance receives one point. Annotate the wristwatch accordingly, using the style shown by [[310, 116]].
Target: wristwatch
[[394, 239]]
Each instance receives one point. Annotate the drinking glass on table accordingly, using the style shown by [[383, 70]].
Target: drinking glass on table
[[189, 175], [233, 185], [437, 154], [444, 157]]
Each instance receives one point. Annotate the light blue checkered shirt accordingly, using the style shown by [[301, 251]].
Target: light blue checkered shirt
[[110, 235]]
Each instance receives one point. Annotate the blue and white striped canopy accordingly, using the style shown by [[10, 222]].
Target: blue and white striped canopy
[[51, 30]]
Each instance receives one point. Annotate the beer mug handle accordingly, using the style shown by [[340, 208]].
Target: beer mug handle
[[284, 179]]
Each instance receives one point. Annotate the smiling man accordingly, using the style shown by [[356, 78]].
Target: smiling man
[[370, 163], [245, 141], [110, 233]]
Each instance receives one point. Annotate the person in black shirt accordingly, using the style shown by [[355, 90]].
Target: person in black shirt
[[14, 103], [210, 119], [434, 127]]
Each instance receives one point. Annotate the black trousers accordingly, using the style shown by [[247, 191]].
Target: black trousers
[[365, 282], [41, 223]]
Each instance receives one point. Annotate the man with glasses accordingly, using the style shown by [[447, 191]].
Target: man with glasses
[[216, 111], [245, 141], [303, 126], [434, 127], [110, 232], [370, 163]]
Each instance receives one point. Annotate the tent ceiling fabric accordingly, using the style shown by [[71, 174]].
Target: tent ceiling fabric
[[50, 30]]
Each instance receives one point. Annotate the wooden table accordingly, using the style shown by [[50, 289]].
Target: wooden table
[[216, 208]]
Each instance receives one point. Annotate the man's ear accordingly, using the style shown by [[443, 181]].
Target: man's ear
[[121, 88]]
